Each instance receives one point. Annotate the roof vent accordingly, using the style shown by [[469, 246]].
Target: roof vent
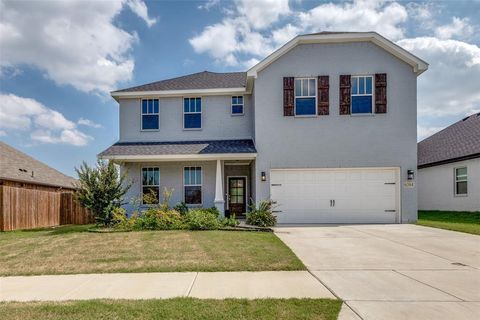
[[22, 170]]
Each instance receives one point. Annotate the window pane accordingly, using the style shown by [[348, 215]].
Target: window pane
[[193, 121], [186, 102], [186, 176], [193, 195], [305, 106], [462, 187], [368, 85], [361, 104], [298, 87], [156, 176], [311, 88], [150, 195], [234, 100], [305, 87], [240, 100], [150, 121], [155, 105], [237, 109], [198, 105], [198, 178], [144, 106], [144, 176], [150, 106], [461, 173], [354, 85], [361, 85]]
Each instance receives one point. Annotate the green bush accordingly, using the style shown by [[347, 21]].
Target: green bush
[[202, 219], [229, 222], [263, 215], [158, 219], [181, 208], [121, 221]]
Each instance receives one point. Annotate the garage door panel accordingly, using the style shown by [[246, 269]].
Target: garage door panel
[[361, 195]]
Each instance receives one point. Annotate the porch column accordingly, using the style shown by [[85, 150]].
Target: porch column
[[219, 202]]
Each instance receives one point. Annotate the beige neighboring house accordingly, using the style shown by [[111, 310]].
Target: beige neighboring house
[[449, 168], [20, 170]]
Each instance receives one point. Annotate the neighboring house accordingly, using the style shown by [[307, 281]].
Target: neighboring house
[[449, 168], [325, 126], [33, 195]]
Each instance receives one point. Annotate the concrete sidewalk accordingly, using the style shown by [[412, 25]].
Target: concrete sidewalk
[[214, 285]]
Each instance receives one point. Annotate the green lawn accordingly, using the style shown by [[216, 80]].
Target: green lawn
[[71, 249], [179, 308], [468, 222]]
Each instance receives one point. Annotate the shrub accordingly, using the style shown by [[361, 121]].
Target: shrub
[[158, 219], [202, 219], [181, 208], [213, 210], [121, 221], [229, 222], [101, 189], [263, 215]]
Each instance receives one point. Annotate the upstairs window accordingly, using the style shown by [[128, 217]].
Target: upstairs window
[[461, 183], [362, 97], [150, 185], [192, 113], [305, 96], [150, 115], [192, 182], [237, 105]]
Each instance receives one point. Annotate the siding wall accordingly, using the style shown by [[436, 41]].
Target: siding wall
[[217, 121], [336, 141], [436, 187]]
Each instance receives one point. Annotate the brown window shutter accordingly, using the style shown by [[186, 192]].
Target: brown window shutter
[[288, 96], [345, 94], [323, 98], [381, 93]]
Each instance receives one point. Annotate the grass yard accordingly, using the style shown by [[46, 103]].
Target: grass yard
[[179, 308], [468, 222], [72, 249]]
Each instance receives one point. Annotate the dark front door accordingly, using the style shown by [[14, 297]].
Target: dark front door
[[237, 196]]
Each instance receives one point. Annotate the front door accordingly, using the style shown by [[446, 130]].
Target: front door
[[237, 195]]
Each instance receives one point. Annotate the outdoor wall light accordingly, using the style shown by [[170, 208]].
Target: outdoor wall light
[[264, 176], [410, 175]]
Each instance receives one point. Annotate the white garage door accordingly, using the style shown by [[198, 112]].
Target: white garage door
[[356, 195]]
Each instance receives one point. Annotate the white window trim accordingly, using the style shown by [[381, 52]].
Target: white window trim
[[295, 97], [193, 185], [184, 113], [456, 194], [142, 114], [238, 104], [142, 185], [363, 94]]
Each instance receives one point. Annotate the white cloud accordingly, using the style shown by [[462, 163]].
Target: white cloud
[[451, 85], [459, 28], [75, 43], [261, 14], [46, 125], [425, 132], [208, 4], [88, 123], [140, 9]]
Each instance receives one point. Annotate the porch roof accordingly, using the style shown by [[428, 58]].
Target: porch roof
[[180, 150]]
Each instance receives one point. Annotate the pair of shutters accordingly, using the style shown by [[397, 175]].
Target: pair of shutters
[[345, 94]]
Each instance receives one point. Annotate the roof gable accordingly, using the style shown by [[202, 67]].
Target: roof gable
[[418, 65]]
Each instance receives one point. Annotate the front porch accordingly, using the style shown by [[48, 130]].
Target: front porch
[[201, 174]]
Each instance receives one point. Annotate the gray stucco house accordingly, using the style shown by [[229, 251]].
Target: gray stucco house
[[449, 168], [325, 126]]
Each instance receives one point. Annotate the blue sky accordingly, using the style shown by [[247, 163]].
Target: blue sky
[[59, 60]]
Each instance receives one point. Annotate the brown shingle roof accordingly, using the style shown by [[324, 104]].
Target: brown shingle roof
[[200, 80], [459, 141], [17, 166]]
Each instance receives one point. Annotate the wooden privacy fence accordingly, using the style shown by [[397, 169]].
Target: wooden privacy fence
[[22, 208]]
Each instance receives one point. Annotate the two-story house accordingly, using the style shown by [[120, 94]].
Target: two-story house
[[325, 126]]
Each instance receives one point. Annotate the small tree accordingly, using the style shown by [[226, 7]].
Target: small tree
[[101, 189]]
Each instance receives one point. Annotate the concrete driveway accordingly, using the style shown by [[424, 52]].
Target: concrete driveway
[[393, 271]]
